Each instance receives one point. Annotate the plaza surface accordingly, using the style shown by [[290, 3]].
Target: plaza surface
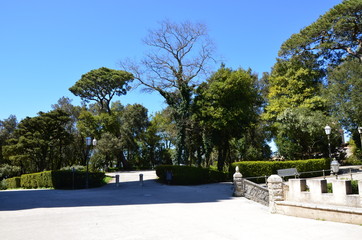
[[153, 211]]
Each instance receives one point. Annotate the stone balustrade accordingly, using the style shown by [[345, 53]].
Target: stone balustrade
[[315, 191], [307, 198]]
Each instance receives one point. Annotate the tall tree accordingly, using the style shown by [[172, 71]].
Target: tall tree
[[178, 54], [7, 128], [38, 142], [344, 95], [335, 35], [227, 105], [135, 121], [101, 85], [296, 110]]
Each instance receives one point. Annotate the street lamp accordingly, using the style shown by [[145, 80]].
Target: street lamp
[[328, 132], [88, 143], [335, 167]]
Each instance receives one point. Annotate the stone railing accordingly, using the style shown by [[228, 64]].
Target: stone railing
[[309, 198], [305, 198], [316, 192], [250, 190]]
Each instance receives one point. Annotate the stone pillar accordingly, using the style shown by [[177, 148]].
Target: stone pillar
[[238, 183], [275, 187]]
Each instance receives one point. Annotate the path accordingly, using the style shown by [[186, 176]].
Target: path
[[154, 211]]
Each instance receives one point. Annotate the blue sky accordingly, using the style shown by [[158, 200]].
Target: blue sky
[[45, 46]]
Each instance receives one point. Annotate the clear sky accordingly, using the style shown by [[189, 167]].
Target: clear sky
[[46, 45]]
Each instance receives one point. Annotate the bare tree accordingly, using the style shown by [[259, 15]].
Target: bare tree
[[178, 54]]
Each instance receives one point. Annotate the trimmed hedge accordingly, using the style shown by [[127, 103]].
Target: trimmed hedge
[[13, 182], [64, 179], [267, 168], [56, 179], [186, 175], [37, 180]]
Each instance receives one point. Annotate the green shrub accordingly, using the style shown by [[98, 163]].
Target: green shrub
[[267, 168], [186, 175], [13, 182], [3, 184], [352, 160], [37, 180], [61, 179], [9, 171], [65, 179]]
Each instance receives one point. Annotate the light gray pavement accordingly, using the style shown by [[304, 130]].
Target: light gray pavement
[[154, 211]]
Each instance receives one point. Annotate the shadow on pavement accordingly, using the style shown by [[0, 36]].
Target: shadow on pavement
[[127, 193]]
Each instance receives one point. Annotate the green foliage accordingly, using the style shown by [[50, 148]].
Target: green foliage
[[38, 142], [3, 184], [7, 128], [344, 93], [64, 179], [296, 111], [334, 35], [301, 133], [186, 175], [267, 168], [101, 85], [226, 105], [14, 182], [37, 180], [61, 179], [352, 160], [8, 171]]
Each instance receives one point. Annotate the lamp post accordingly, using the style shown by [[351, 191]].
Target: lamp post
[[328, 132], [360, 136], [328, 129], [89, 143]]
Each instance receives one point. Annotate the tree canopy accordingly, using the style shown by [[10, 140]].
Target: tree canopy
[[101, 85], [334, 35], [178, 54], [227, 104]]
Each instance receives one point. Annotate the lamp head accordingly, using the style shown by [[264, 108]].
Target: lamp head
[[88, 141], [335, 166]]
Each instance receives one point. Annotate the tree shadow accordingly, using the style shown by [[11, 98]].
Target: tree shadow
[[127, 193]]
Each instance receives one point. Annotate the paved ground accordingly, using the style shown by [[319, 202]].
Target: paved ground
[[152, 211]]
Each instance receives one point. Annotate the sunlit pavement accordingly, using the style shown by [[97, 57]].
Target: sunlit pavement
[[152, 211]]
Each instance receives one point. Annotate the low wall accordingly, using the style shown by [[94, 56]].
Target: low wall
[[315, 191], [256, 192], [310, 199]]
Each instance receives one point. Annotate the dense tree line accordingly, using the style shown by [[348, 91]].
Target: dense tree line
[[213, 117]]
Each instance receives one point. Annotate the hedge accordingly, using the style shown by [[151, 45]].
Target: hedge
[[13, 182], [56, 179], [64, 179], [186, 175], [37, 180], [267, 168]]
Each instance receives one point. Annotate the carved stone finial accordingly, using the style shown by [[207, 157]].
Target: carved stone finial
[[238, 183]]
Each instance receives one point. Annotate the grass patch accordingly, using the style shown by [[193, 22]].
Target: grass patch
[[107, 179]]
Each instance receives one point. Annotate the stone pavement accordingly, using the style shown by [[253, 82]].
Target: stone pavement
[[152, 211]]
